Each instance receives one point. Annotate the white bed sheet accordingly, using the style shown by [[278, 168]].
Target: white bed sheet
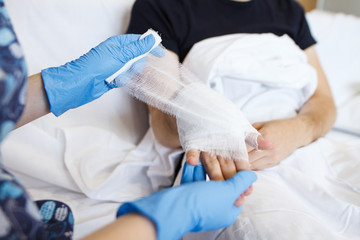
[[314, 193], [46, 154]]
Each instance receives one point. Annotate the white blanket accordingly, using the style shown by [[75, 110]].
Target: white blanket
[[266, 76], [314, 193]]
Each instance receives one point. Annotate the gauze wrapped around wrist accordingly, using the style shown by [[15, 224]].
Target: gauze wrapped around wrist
[[206, 120], [213, 123]]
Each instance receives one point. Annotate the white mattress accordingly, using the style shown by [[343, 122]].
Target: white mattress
[[102, 154]]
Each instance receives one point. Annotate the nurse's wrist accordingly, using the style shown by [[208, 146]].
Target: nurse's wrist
[[147, 225]]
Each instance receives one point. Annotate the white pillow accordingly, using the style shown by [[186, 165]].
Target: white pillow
[[338, 37], [54, 32]]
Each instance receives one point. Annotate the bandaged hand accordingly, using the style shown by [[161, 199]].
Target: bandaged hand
[[212, 124], [83, 80], [280, 138], [192, 207]]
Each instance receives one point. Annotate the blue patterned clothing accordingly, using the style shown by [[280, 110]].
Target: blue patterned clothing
[[20, 217], [13, 75]]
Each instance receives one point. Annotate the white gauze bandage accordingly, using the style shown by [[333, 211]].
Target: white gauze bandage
[[206, 120]]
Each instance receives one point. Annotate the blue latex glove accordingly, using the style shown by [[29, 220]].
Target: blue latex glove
[[83, 80], [192, 207], [193, 173]]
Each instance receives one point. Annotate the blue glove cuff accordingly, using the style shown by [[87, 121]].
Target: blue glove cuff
[[166, 228], [51, 92]]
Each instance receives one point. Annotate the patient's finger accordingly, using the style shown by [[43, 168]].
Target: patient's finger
[[264, 144], [255, 155], [212, 166], [192, 157], [262, 163], [242, 165], [248, 191], [227, 166], [240, 200]]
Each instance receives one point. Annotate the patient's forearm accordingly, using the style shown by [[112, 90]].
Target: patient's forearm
[[164, 125], [165, 128], [37, 103], [318, 115], [314, 120], [319, 112]]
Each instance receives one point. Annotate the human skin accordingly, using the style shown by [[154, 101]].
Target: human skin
[[314, 120], [279, 138], [37, 103], [130, 226]]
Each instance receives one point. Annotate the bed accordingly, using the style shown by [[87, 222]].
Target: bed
[[102, 154]]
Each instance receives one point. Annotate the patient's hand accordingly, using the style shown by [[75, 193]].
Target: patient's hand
[[282, 137], [219, 168], [216, 167]]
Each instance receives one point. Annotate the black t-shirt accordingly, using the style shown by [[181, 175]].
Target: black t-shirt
[[182, 23]]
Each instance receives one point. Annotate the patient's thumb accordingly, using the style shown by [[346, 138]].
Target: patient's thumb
[[263, 144]]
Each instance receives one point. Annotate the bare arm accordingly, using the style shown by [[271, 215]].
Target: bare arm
[[314, 120], [37, 103], [128, 227], [319, 112], [164, 125]]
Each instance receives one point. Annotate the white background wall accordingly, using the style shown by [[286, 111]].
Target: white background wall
[[345, 6]]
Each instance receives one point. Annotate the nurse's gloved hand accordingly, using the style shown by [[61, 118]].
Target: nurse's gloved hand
[[192, 207], [83, 80], [193, 173]]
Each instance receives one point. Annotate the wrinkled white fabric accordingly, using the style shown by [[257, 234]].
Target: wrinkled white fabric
[[338, 37], [317, 186], [206, 120], [266, 76], [116, 170]]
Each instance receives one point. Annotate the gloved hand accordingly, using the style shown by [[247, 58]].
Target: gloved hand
[[192, 207], [83, 80], [193, 173]]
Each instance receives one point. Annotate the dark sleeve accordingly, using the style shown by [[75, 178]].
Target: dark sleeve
[[303, 36], [161, 16]]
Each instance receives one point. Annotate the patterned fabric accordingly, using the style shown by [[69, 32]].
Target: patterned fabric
[[13, 75], [19, 216], [58, 219]]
